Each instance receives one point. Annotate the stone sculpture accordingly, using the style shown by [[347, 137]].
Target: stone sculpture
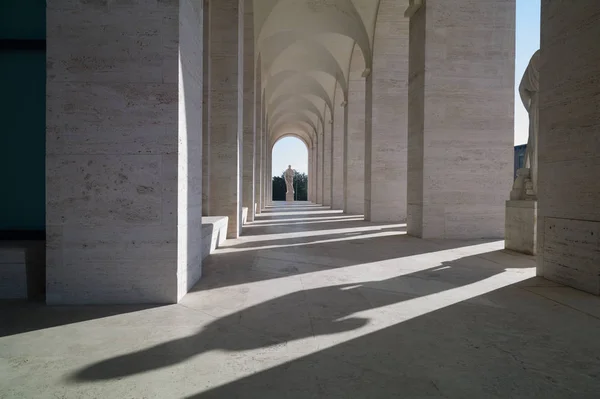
[[521, 211], [289, 183], [525, 186]]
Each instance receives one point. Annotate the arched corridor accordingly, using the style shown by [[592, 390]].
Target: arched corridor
[[315, 303], [157, 260]]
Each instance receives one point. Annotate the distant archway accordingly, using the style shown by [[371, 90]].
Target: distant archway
[[290, 150]]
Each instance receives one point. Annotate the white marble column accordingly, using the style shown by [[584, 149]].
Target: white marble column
[[312, 179], [226, 112], [258, 128], [568, 228], [460, 137], [249, 112], [319, 167], [310, 175], [124, 151], [270, 196], [387, 128], [327, 161], [337, 175], [206, 109], [264, 173], [340, 147], [355, 156]]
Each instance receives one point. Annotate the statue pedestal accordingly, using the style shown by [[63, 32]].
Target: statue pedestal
[[520, 226], [289, 197]]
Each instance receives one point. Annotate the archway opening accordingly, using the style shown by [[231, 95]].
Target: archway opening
[[291, 152]]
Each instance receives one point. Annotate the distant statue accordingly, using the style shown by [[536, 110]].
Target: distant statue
[[525, 186], [289, 180]]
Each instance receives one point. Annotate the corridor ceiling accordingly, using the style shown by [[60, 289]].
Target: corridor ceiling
[[304, 55]]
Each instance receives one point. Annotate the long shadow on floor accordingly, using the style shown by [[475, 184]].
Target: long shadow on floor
[[516, 346], [305, 213], [316, 235], [257, 261], [314, 312], [304, 225]]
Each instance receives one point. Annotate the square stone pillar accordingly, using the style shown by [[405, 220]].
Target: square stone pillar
[[270, 179], [460, 119], [355, 156], [259, 138], [315, 174], [227, 111], [338, 152], [569, 151], [319, 168], [206, 109], [386, 125], [327, 158], [249, 112], [520, 226], [310, 176], [265, 180], [124, 151]]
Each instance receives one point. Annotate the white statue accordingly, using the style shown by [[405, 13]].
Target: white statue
[[525, 186], [289, 180]]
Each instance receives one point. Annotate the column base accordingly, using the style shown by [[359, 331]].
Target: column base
[[520, 226], [289, 197]]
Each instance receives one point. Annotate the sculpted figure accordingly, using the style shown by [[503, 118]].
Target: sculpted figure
[[525, 186], [289, 180]]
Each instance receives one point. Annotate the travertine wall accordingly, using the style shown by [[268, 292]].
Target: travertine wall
[[312, 178], [385, 174], [569, 145], [265, 146], [319, 168], [206, 109], [327, 137], [248, 157], [355, 188], [258, 124], [338, 151], [124, 151], [226, 112], [461, 98], [259, 137], [270, 169]]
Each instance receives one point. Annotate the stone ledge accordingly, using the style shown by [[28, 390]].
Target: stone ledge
[[214, 233], [520, 232]]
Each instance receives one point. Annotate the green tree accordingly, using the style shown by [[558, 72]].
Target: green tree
[[278, 188]]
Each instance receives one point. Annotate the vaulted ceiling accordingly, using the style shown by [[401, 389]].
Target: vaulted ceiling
[[304, 53]]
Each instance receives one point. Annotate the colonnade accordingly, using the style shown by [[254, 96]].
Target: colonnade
[[177, 118]]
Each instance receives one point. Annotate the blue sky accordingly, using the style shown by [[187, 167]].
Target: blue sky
[[292, 151]]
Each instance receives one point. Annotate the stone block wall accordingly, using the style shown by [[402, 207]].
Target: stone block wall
[[461, 120], [355, 158], [569, 145], [338, 150], [249, 155], [226, 111], [386, 144], [123, 131]]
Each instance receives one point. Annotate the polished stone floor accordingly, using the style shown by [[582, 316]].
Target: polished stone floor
[[312, 303]]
